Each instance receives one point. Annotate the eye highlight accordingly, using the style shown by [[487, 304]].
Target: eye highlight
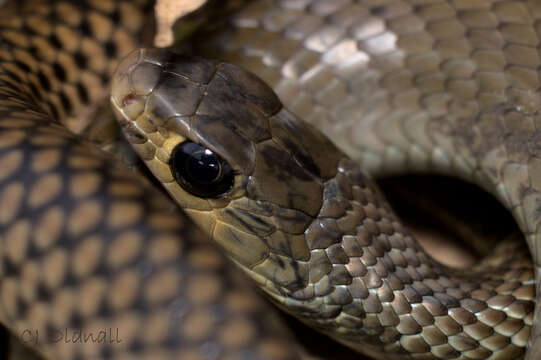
[[200, 171]]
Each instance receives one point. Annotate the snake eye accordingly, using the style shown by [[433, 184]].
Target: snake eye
[[200, 171]]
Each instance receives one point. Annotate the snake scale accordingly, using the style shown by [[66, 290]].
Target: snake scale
[[441, 86]]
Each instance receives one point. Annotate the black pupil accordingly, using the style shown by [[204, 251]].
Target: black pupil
[[203, 165], [200, 171]]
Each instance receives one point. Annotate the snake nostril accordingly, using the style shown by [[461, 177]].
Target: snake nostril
[[130, 99]]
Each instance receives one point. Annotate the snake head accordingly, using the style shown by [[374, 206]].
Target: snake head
[[247, 170]]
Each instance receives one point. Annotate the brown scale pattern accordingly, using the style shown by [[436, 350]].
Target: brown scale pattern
[[430, 86], [350, 269], [449, 86], [86, 244], [379, 280], [151, 271]]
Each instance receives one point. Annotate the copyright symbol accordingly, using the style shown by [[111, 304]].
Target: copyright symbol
[[29, 336]]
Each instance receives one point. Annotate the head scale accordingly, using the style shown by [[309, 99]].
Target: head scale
[[278, 165]]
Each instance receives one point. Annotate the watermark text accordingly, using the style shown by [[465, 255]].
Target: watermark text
[[74, 336]]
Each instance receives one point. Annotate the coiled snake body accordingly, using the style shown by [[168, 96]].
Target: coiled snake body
[[400, 86]]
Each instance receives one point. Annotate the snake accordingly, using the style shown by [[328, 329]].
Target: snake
[[277, 168]]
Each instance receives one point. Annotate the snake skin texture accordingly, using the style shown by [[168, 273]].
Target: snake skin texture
[[308, 226], [402, 86], [87, 245], [445, 86], [428, 86]]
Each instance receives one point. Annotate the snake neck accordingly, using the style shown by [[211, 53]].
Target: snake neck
[[371, 286]]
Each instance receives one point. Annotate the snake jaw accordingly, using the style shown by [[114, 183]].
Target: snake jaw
[[275, 167]]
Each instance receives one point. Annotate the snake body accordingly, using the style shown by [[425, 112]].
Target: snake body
[[400, 86]]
